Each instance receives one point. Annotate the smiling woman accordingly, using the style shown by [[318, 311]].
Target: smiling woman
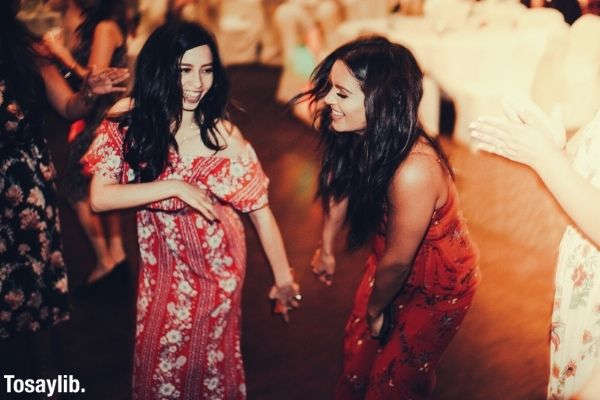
[[392, 185], [188, 170], [196, 75]]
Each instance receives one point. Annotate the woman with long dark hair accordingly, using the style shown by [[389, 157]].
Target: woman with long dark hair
[[188, 170], [392, 186], [93, 36], [33, 279]]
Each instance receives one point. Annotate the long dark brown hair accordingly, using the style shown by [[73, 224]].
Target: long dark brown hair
[[157, 96], [360, 167]]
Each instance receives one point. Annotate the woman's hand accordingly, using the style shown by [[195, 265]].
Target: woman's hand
[[524, 110], [323, 266], [105, 81], [519, 142], [375, 324], [286, 298], [196, 198]]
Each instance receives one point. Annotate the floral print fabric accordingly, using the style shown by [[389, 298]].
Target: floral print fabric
[[187, 342], [33, 280], [428, 312], [575, 330]]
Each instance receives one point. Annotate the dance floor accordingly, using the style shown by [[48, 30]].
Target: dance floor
[[500, 351]]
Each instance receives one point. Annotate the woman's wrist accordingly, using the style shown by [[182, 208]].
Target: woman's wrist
[[171, 188], [548, 160], [284, 277], [326, 248]]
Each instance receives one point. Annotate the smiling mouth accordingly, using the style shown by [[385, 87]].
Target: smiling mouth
[[192, 96], [336, 114]]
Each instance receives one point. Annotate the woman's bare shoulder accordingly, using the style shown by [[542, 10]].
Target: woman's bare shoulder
[[121, 107]]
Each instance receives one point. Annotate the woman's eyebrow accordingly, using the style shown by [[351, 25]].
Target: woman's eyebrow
[[340, 87]]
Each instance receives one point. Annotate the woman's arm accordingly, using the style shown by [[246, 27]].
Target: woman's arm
[[285, 292], [76, 105], [107, 37], [272, 242], [106, 195], [412, 198], [530, 146], [577, 197], [323, 260]]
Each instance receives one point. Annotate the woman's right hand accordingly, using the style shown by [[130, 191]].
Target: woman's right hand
[[323, 266], [195, 197]]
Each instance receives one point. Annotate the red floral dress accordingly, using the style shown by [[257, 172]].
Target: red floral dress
[[428, 311], [187, 341]]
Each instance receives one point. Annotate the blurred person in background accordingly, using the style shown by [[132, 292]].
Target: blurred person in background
[[33, 277], [571, 172], [93, 36]]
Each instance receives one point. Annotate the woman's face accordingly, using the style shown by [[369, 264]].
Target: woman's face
[[346, 100], [196, 68]]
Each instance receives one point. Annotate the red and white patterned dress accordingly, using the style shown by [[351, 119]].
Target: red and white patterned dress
[[187, 343]]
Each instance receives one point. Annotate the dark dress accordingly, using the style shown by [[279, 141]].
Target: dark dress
[[33, 279], [74, 183]]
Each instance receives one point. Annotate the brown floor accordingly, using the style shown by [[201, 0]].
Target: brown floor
[[499, 353]]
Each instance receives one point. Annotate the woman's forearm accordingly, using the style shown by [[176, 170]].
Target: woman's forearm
[[390, 277], [272, 242], [105, 196], [578, 198], [79, 104], [332, 224]]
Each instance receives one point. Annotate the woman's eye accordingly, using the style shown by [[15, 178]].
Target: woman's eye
[[208, 71], [341, 95], [185, 69]]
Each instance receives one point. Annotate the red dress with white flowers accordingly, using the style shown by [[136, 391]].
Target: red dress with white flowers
[[187, 343]]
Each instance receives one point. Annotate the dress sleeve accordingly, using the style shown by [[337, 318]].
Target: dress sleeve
[[241, 182], [105, 155]]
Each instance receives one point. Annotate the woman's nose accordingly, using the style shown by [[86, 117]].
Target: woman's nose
[[330, 97]]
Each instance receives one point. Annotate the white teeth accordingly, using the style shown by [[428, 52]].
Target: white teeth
[[192, 93]]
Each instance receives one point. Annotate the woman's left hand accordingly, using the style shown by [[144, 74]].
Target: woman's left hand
[[105, 81], [375, 324], [286, 298]]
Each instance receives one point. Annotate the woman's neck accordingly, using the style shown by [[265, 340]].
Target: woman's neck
[[187, 118]]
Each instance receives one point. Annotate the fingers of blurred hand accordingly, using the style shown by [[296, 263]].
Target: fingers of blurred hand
[[285, 298], [288, 295], [205, 208], [320, 268], [509, 110], [118, 75], [489, 131], [198, 199]]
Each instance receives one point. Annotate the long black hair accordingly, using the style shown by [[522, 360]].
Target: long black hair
[[19, 65], [157, 96], [95, 11], [360, 167]]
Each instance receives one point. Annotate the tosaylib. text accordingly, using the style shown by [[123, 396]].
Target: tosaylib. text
[[60, 384]]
